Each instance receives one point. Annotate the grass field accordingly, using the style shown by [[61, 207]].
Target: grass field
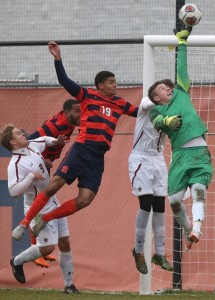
[[30, 294]]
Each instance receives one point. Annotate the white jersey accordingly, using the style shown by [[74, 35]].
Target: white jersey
[[146, 139], [147, 166], [23, 164]]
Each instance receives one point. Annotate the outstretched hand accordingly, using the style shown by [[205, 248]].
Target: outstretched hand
[[61, 140], [183, 35], [54, 49]]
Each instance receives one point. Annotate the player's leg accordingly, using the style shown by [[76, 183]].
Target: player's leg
[[39, 202], [88, 167], [142, 217], [65, 257], [141, 176], [28, 255], [198, 193], [200, 177], [40, 262], [158, 225]]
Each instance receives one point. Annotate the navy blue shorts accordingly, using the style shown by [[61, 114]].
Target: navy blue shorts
[[83, 162]]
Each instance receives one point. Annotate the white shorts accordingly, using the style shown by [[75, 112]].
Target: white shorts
[[53, 230], [148, 174]]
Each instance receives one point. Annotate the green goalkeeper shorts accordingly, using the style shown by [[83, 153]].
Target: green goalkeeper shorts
[[189, 166]]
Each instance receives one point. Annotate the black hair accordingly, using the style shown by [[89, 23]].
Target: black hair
[[68, 104], [102, 76]]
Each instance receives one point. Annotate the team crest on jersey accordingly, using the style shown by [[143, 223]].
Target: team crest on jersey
[[46, 240], [64, 169], [139, 189]]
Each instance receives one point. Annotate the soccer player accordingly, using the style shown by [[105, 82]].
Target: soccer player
[[100, 112], [191, 164], [148, 176], [28, 175], [62, 123]]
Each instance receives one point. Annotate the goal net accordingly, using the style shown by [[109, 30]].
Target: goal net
[[196, 269]]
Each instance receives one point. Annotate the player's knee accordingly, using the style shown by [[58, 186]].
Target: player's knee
[[47, 250], [175, 201], [198, 192], [84, 198], [64, 244]]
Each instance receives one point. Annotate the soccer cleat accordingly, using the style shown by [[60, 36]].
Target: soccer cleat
[[49, 257], [39, 225], [40, 262], [188, 242], [18, 232], [71, 289], [188, 245], [18, 271], [190, 238], [140, 262], [161, 261], [194, 236]]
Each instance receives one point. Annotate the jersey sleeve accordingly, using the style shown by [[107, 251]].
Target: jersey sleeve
[[183, 81], [17, 185], [130, 110], [39, 143], [146, 104], [72, 87]]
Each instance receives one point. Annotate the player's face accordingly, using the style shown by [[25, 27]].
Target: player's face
[[18, 140], [108, 87], [163, 94], [73, 116]]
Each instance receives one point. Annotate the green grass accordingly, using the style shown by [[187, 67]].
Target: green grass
[[30, 294]]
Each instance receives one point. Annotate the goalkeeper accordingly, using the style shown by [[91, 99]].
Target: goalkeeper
[[191, 164]]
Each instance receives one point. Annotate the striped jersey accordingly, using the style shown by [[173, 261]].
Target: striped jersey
[[99, 115], [55, 126]]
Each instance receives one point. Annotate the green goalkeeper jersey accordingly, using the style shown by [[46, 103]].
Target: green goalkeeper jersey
[[181, 104]]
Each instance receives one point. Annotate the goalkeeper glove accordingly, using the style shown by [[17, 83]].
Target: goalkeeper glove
[[183, 34], [173, 122]]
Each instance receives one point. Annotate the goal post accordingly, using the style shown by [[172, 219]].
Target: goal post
[[150, 42]]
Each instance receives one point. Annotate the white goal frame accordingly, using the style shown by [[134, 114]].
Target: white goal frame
[[150, 42]]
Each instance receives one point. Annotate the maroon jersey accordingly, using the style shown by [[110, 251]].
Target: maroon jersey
[[55, 126]]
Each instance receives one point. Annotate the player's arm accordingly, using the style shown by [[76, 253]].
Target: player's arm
[[161, 122], [183, 81], [18, 185], [130, 110], [146, 104], [72, 88], [48, 141]]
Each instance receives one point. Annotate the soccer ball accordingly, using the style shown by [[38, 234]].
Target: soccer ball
[[190, 15]]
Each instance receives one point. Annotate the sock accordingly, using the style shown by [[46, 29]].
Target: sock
[[66, 265], [66, 209], [198, 210], [141, 224], [197, 226], [158, 225], [38, 203], [29, 254], [182, 218]]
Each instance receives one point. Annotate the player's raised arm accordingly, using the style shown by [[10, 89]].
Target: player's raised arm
[[183, 81], [72, 88]]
